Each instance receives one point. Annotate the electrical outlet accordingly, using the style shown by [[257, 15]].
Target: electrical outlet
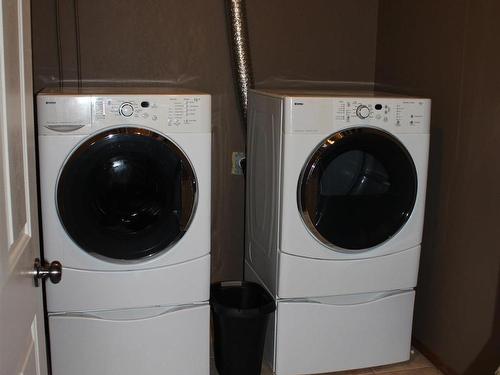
[[236, 168]]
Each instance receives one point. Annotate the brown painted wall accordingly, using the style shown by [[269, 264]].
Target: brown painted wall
[[184, 43], [445, 50]]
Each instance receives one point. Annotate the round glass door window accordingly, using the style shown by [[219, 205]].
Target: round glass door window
[[126, 193], [357, 189]]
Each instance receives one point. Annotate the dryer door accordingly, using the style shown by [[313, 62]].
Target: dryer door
[[357, 189], [126, 193]]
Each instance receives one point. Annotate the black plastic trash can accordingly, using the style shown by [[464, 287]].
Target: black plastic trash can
[[240, 311]]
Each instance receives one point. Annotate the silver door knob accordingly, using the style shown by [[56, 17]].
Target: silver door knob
[[42, 271]]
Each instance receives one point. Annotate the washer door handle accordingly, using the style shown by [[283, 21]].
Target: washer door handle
[[44, 270]]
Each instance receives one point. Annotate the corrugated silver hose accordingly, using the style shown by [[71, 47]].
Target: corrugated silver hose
[[240, 51], [242, 68]]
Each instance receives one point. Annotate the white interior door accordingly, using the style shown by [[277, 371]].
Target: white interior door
[[22, 337]]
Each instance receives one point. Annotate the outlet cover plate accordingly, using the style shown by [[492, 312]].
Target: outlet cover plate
[[236, 163]]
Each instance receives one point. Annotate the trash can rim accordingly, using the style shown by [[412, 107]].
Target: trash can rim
[[223, 309]]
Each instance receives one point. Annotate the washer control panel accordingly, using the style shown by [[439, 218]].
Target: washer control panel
[[176, 113], [84, 113]]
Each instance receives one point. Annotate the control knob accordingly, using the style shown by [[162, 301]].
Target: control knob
[[126, 109], [362, 111]]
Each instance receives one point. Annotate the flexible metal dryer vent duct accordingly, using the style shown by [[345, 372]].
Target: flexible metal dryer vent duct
[[242, 69], [240, 51]]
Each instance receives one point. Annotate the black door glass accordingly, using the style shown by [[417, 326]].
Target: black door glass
[[126, 193], [358, 189]]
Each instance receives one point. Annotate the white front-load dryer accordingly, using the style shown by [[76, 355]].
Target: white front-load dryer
[[125, 197], [346, 176], [336, 187]]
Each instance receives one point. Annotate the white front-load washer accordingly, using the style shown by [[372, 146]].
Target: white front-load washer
[[125, 196], [336, 187]]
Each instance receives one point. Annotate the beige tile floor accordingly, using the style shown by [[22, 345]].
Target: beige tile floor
[[417, 365]]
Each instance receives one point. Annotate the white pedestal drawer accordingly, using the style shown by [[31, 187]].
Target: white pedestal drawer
[[342, 333], [150, 341]]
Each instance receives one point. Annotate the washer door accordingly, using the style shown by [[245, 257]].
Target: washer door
[[126, 193], [357, 189]]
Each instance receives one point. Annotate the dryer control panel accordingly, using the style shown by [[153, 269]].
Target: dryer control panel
[[324, 114], [403, 114]]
